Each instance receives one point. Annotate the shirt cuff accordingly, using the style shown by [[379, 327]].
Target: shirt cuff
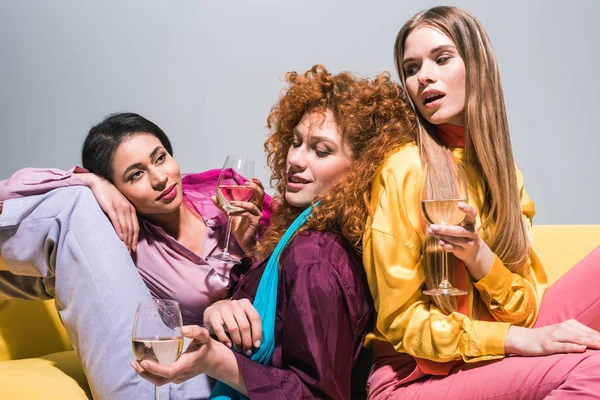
[[257, 378], [497, 280], [486, 339]]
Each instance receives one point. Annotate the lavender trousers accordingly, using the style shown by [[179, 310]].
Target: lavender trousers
[[558, 376], [61, 245]]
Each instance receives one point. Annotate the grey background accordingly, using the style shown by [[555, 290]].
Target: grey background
[[208, 73]]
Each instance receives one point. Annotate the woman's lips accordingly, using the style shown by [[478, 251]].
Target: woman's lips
[[294, 186], [168, 194], [435, 103]]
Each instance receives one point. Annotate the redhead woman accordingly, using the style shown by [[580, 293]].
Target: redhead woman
[[324, 149]]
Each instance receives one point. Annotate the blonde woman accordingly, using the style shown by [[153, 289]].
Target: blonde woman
[[456, 347]]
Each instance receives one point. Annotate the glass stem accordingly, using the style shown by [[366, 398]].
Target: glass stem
[[227, 234], [444, 268], [156, 392]]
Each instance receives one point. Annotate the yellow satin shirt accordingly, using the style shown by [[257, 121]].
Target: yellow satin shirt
[[392, 257]]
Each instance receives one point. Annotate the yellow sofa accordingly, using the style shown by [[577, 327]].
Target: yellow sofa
[[37, 360]]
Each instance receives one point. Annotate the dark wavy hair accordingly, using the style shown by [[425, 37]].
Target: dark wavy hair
[[103, 139], [375, 118]]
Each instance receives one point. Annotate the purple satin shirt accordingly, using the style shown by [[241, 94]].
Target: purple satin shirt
[[169, 269], [324, 311]]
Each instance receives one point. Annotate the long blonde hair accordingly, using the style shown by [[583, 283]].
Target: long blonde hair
[[488, 148]]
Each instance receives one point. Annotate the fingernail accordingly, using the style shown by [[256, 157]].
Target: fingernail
[[186, 330], [254, 179], [228, 344], [433, 227], [257, 344], [132, 364], [144, 364], [247, 183], [248, 353]]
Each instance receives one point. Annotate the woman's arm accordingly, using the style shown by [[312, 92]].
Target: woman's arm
[[512, 297], [203, 356], [392, 256], [319, 342], [32, 181]]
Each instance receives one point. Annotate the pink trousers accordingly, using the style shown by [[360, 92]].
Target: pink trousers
[[559, 376]]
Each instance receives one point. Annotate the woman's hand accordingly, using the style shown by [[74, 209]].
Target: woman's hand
[[119, 210], [569, 336], [237, 317], [196, 360], [465, 243], [245, 224]]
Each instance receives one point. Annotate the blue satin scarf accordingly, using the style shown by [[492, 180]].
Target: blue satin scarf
[[265, 303]]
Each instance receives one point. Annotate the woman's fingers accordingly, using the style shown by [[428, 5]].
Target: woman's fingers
[[154, 379], [255, 322], [245, 330], [200, 335], [562, 347], [116, 223], [578, 325], [259, 191], [470, 213], [217, 325], [451, 230], [126, 223], [231, 326], [248, 208], [136, 229]]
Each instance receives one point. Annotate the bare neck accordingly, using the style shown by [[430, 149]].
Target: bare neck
[[174, 222]]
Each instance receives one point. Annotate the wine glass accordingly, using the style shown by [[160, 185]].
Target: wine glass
[[439, 202], [157, 333], [230, 187]]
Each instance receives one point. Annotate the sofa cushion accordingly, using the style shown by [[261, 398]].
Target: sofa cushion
[[55, 376], [29, 329]]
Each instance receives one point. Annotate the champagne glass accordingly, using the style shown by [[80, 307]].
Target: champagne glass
[[157, 333], [439, 202], [230, 187]]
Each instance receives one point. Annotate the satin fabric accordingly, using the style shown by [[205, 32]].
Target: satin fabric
[[406, 319]]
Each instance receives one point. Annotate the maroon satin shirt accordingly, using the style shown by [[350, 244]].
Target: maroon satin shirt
[[324, 311]]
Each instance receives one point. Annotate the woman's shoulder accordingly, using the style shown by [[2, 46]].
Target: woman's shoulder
[[406, 156], [201, 182], [321, 250]]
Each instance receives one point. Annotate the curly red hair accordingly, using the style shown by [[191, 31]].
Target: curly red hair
[[375, 118]]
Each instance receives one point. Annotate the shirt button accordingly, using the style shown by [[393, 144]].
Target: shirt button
[[209, 222]]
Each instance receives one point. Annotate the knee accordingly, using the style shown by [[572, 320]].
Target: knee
[[75, 200], [80, 195]]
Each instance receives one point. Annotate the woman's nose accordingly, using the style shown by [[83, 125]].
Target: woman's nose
[[297, 157], [159, 179], [426, 75]]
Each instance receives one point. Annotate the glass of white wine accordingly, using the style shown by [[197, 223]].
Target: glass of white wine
[[231, 187], [157, 333], [439, 202]]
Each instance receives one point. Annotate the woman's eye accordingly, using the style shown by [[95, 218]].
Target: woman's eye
[[296, 144], [160, 158], [443, 59], [411, 70], [322, 153], [135, 175]]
